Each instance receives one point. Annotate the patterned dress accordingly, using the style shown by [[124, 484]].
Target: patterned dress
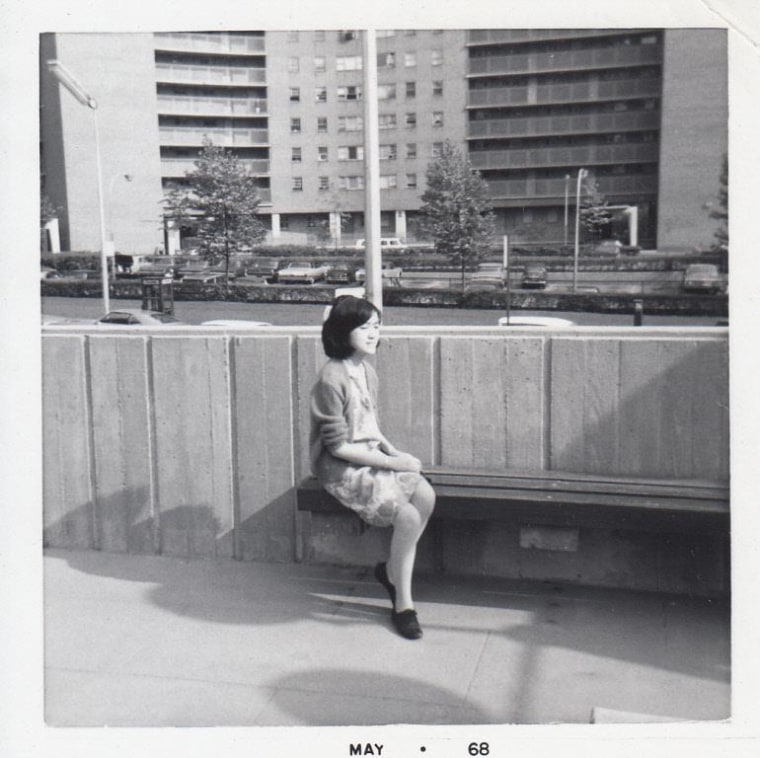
[[374, 494]]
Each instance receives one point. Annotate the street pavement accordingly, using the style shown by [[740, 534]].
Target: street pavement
[[160, 641]]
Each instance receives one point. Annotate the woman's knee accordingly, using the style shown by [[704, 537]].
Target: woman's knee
[[423, 499]]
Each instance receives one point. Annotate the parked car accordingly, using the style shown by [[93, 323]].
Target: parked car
[[534, 276], [342, 273], [608, 247], [47, 274], [488, 277], [265, 268], [302, 272], [386, 243], [137, 317], [388, 270], [704, 278], [200, 278], [549, 322]]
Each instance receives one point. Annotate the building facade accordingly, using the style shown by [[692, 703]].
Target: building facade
[[643, 111]]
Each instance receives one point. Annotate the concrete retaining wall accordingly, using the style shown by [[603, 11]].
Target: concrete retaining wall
[[189, 442]]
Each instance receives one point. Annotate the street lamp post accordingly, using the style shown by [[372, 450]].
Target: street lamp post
[[67, 79], [567, 191], [110, 203], [582, 173]]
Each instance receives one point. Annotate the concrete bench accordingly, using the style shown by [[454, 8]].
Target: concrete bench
[[552, 498]]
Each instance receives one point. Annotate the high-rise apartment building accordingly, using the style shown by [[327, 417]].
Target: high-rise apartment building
[[643, 111]]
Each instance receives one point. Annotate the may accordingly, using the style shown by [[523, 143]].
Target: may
[[368, 749]]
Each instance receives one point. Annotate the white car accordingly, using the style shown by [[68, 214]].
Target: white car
[[386, 243], [137, 317], [388, 270], [302, 272]]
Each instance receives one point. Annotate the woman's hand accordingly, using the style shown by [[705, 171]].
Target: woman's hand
[[399, 461]]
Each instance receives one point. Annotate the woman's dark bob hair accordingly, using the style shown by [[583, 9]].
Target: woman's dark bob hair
[[347, 312]]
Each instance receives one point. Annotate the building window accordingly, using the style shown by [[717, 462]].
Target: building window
[[350, 123], [381, 33], [411, 181], [320, 94], [436, 57], [386, 91], [437, 119], [410, 59], [351, 153], [297, 183], [386, 60], [437, 149], [321, 124], [293, 65], [348, 63], [351, 182], [346, 35], [319, 35], [353, 92], [295, 125], [438, 88], [320, 64], [387, 152], [387, 121], [324, 183], [295, 94], [321, 153], [292, 36], [410, 33], [411, 89], [284, 222], [388, 181], [411, 150], [410, 120], [295, 154]]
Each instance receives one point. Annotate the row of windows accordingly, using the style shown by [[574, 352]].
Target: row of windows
[[344, 36], [356, 123], [384, 92], [387, 181], [387, 152], [356, 63]]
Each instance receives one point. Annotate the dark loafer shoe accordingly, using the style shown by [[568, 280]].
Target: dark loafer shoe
[[381, 574], [407, 625]]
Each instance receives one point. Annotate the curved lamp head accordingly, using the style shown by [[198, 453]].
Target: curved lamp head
[[68, 80]]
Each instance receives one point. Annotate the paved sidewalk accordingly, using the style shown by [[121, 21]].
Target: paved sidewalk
[[154, 641]]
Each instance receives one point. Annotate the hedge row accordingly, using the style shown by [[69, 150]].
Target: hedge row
[[712, 305]]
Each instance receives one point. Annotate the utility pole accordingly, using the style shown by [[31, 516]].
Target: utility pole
[[372, 262]]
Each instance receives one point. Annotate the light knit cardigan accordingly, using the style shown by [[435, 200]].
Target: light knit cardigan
[[332, 408]]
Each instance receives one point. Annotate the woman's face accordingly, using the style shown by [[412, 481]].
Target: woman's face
[[364, 338]]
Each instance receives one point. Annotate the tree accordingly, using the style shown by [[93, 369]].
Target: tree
[[222, 200], [721, 211], [456, 209], [595, 216]]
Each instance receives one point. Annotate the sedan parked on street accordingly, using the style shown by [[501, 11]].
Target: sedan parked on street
[[534, 276], [302, 272], [703, 278], [136, 317]]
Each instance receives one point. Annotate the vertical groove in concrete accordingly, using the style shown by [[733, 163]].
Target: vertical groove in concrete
[[93, 515], [232, 389], [155, 492]]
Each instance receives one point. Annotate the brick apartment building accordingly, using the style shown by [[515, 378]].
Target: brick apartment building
[[644, 111]]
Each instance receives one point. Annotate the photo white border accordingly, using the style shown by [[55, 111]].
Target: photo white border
[[22, 730]]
